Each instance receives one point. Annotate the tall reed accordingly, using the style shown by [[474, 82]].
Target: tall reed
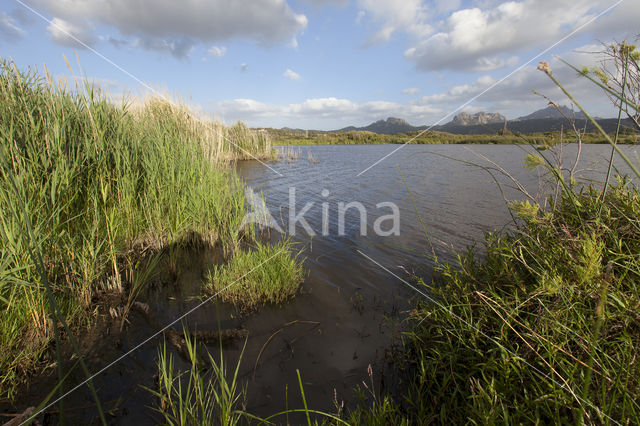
[[100, 183]]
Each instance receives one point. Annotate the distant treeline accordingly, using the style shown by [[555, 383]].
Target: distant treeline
[[354, 137]]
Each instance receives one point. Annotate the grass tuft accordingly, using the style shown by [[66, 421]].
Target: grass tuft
[[514, 336], [276, 281], [205, 394]]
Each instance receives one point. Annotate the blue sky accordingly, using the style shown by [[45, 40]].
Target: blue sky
[[321, 64]]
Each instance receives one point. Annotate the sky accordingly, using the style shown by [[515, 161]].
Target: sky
[[323, 64]]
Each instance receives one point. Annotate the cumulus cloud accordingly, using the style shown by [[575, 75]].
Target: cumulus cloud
[[78, 35], [478, 39], [9, 29], [515, 96], [622, 22], [175, 27], [396, 15], [327, 113], [291, 75], [217, 51], [411, 91]]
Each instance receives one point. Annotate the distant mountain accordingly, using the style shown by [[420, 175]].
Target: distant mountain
[[553, 112], [532, 126], [390, 126], [466, 119], [548, 119]]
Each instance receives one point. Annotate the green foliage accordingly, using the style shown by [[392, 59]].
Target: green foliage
[[100, 183], [545, 328], [300, 137], [512, 337], [203, 395], [275, 276]]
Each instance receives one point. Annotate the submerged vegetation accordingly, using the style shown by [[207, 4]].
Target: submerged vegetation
[[100, 185]]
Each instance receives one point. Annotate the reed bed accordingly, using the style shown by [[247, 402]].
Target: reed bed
[[100, 184]]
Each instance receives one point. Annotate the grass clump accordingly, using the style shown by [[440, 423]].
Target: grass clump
[[204, 394], [100, 183], [545, 329], [275, 276]]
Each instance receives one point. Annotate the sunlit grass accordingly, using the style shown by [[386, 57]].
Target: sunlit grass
[[276, 280], [100, 183], [205, 394]]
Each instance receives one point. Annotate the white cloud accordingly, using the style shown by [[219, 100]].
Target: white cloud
[[9, 29], [621, 23], [217, 51], [486, 39], [396, 15], [411, 91], [326, 113], [514, 97], [244, 67], [71, 34], [160, 24], [291, 75], [322, 107]]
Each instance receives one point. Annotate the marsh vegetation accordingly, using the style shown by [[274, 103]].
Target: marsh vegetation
[[91, 188]]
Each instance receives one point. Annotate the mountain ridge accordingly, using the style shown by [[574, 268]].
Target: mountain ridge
[[546, 119], [552, 111]]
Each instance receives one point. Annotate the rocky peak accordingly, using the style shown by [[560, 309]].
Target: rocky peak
[[466, 119]]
